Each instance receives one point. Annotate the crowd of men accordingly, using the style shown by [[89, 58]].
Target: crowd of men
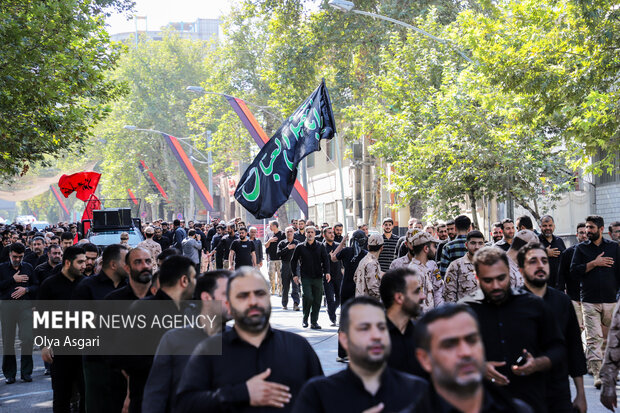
[[437, 320]]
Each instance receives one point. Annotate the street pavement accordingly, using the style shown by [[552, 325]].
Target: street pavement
[[37, 396]]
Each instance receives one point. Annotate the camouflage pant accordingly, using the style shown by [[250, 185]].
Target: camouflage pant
[[595, 318], [579, 311], [275, 276]]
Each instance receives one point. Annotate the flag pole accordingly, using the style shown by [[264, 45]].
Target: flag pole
[[344, 206]]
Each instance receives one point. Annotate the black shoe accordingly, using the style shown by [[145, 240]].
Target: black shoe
[[315, 327], [284, 308], [304, 324], [27, 378], [296, 307], [10, 380], [334, 323], [47, 372]]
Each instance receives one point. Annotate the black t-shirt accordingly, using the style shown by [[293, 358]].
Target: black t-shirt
[[243, 252]]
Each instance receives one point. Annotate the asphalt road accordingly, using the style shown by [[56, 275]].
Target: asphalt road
[[36, 397]]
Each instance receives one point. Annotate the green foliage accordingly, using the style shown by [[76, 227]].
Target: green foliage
[[53, 88], [157, 73]]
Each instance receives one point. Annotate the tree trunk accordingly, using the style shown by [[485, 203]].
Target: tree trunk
[[474, 213], [376, 201], [415, 209]]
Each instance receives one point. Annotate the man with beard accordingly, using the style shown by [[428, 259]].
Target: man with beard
[[451, 350], [92, 253], [338, 228], [18, 287], [596, 263], [159, 238], [525, 222], [139, 267], [572, 285], [259, 369], [405, 259], [242, 251], [332, 287], [390, 240], [113, 275], [521, 338], [54, 258], [286, 247], [424, 250], [508, 230], [460, 280], [313, 268], [37, 255], [451, 232], [401, 294], [614, 231], [554, 246], [66, 369], [98, 378], [176, 346], [223, 247], [534, 266], [300, 234], [177, 278], [497, 233], [368, 384]]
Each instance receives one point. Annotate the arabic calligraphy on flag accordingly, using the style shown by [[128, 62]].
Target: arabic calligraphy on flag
[[269, 180], [83, 183]]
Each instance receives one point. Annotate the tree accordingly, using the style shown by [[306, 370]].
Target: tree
[[563, 57], [54, 89], [157, 73]]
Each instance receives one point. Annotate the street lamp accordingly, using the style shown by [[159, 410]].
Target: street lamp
[[348, 6]]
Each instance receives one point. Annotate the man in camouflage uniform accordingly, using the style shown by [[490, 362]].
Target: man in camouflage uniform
[[151, 246], [424, 250], [611, 364], [368, 275], [405, 260], [460, 278]]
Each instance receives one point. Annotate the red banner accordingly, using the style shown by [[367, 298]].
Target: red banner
[[92, 204], [131, 195], [84, 183]]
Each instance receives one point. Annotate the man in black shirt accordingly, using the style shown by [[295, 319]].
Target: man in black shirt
[[54, 258], [176, 346], [18, 287], [92, 253], [368, 382], [259, 369], [401, 294], [521, 338], [98, 375], [177, 277], [223, 247], [555, 246], [37, 255], [66, 370], [508, 229], [338, 237], [572, 285], [159, 238], [332, 287], [451, 350], [534, 266], [314, 264], [275, 263], [285, 251], [242, 251], [596, 263], [301, 231]]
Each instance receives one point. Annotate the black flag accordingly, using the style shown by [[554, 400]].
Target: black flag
[[269, 180]]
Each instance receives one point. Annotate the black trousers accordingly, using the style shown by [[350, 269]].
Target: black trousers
[[287, 280], [67, 371], [332, 295], [16, 314]]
